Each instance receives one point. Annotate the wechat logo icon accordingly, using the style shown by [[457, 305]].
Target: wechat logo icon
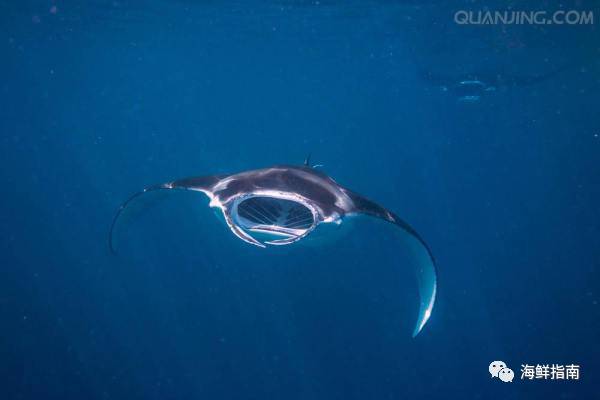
[[498, 369]]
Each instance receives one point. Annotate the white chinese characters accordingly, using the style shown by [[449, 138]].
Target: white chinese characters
[[550, 371]]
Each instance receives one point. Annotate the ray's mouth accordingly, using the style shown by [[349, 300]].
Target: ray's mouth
[[273, 220]]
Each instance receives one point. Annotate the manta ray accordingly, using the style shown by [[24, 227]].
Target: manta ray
[[473, 86], [284, 204]]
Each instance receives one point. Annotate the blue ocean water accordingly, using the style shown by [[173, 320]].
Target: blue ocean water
[[99, 99]]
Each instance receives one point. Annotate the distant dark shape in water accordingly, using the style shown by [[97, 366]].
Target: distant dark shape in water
[[283, 204], [474, 86]]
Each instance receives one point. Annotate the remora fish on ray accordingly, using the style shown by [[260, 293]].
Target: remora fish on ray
[[283, 204]]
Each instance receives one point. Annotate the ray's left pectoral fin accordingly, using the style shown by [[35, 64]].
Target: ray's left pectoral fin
[[423, 258], [202, 184]]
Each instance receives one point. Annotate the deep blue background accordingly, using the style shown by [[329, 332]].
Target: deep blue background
[[99, 99]]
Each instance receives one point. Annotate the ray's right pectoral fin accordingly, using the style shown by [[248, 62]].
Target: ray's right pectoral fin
[[137, 201], [426, 276], [422, 257]]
